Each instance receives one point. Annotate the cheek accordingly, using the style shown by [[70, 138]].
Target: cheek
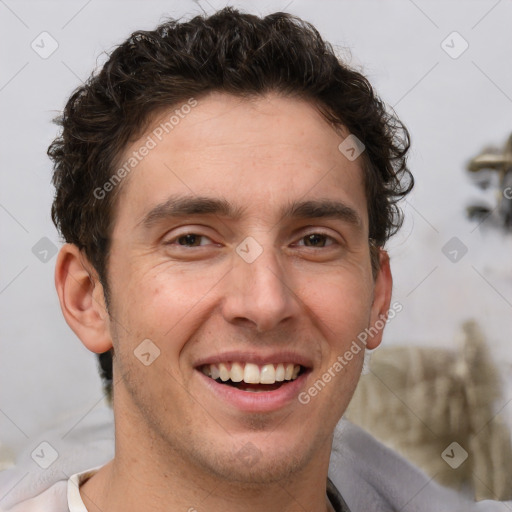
[[340, 301], [165, 307], [160, 303]]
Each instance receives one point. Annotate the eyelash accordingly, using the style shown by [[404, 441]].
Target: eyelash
[[318, 233]]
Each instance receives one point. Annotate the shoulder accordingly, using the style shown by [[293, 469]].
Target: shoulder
[[373, 477], [53, 499], [77, 444]]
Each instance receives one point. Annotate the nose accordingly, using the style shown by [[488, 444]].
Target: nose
[[259, 294]]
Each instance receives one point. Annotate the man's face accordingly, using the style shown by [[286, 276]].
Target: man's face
[[240, 241]]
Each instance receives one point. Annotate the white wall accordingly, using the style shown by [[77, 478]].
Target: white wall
[[453, 107]]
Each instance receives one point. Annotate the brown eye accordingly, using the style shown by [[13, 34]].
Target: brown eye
[[190, 240], [316, 240]]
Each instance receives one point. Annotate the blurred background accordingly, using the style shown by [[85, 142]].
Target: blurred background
[[445, 69]]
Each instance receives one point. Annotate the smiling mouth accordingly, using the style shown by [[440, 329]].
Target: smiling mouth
[[252, 377]]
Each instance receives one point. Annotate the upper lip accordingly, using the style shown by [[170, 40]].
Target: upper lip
[[258, 358]]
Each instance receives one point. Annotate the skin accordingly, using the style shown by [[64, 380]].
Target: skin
[[177, 444]]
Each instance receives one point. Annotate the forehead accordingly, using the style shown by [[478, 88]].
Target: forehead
[[258, 154]]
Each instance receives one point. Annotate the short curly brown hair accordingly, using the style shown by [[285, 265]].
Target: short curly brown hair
[[232, 52]]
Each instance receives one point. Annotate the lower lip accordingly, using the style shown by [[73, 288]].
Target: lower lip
[[261, 401]]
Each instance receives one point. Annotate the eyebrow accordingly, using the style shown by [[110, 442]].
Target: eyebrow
[[185, 206], [323, 208]]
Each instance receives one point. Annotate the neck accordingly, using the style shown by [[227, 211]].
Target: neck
[[144, 477]]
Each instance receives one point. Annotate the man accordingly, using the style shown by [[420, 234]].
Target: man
[[225, 187]]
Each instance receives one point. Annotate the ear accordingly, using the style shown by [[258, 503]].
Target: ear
[[81, 299], [381, 300]]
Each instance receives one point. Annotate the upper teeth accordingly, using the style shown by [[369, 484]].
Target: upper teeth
[[252, 373]]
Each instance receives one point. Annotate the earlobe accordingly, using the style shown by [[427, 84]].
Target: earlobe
[[81, 299], [381, 300]]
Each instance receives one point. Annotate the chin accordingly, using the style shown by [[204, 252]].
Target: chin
[[259, 458], [261, 469]]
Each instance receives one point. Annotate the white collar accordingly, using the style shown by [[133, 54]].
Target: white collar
[[75, 503]]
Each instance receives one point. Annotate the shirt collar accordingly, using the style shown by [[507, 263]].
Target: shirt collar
[[76, 504], [336, 499]]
